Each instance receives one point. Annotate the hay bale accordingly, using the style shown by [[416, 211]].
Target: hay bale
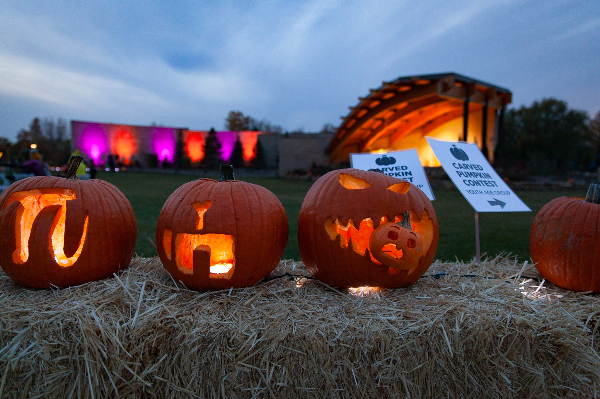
[[461, 331]]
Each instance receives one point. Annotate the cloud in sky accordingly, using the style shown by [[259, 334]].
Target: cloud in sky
[[297, 64]]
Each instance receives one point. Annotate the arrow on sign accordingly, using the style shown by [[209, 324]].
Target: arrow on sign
[[497, 202]]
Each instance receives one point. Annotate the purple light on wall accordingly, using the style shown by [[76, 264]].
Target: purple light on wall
[[163, 143], [227, 140], [94, 143]]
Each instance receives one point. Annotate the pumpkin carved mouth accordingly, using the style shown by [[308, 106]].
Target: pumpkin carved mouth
[[392, 250], [359, 238]]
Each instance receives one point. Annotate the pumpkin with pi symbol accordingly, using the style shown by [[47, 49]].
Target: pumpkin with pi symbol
[[563, 241], [363, 228], [64, 231], [221, 234]]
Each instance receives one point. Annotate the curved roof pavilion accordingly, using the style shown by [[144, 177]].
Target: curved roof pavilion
[[399, 114]]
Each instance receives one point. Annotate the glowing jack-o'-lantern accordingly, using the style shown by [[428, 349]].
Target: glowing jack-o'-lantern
[[221, 234], [64, 231], [359, 228]]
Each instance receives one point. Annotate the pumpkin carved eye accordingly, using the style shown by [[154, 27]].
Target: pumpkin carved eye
[[400, 188], [352, 183]]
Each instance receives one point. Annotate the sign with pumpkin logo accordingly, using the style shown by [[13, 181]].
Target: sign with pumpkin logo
[[403, 165], [221, 234], [64, 231], [361, 228], [475, 178]]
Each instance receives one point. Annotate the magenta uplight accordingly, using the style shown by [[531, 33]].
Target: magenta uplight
[[227, 140], [94, 143], [163, 143]]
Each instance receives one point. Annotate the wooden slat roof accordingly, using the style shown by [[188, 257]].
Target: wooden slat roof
[[395, 105]]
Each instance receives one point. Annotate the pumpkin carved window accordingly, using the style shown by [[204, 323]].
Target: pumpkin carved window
[[219, 246], [368, 230]]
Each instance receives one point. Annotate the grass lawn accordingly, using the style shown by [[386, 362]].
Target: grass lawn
[[499, 232]]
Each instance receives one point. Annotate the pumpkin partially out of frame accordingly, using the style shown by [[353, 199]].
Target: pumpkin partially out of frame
[[362, 228], [221, 234], [564, 241], [64, 231]]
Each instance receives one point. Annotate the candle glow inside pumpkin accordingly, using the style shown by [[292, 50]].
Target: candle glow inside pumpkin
[[222, 259]]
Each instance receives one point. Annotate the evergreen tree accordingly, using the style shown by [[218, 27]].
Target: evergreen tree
[[595, 132], [212, 151], [260, 156], [180, 162], [61, 130], [237, 156]]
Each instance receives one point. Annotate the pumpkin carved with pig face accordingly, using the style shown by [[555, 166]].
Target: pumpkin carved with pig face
[[362, 228], [221, 234], [64, 231]]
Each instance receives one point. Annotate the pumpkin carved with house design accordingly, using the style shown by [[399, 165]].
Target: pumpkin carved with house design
[[64, 231], [221, 234], [362, 228]]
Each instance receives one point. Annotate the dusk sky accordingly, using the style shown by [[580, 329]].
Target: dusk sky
[[298, 64]]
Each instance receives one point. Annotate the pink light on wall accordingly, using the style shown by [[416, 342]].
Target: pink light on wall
[[249, 140], [94, 143], [194, 145], [227, 140], [163, 143]]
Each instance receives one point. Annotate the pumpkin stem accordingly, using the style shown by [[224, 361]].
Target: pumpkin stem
[[405, 222], [226, 172], [375, 170], [593, 194], [74, 163]]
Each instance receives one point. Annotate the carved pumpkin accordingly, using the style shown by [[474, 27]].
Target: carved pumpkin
[[359, 228], [564, 240], [221, 234], [64, 231]]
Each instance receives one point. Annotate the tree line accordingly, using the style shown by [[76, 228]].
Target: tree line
[[548, 138], [51, 139], [545, 138]]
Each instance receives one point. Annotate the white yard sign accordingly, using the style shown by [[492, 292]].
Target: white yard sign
[[401, 164], [475, 178]]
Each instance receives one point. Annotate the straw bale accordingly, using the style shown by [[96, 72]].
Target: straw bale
[[462, 331]]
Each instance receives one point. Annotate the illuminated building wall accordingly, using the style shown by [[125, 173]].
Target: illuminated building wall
[[194, 144], [133, 144]]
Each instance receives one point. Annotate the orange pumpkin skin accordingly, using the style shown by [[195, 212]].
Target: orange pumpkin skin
[[201, 212], [389, 239], [94, 217], [340, 214], [564, 243]]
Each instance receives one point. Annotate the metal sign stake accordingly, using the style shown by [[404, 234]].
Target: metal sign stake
[[477, 246]]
